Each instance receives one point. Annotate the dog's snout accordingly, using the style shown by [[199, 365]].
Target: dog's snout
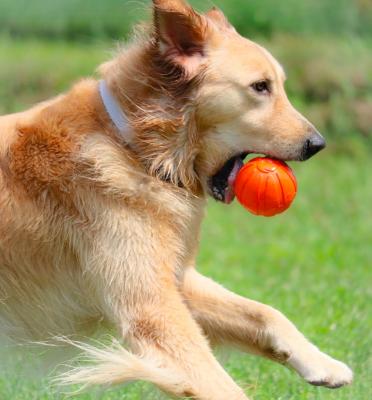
[[313, 145]]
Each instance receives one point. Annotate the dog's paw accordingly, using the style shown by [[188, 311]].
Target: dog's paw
[[319, 369]]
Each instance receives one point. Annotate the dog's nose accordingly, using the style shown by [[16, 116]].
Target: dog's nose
[[313, 145]]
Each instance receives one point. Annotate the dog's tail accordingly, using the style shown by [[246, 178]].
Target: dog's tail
[[110, 365]]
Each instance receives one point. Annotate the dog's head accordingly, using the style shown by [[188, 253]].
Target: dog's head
[[240, 104]]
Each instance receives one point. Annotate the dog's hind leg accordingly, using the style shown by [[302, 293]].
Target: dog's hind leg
[[260, 329]]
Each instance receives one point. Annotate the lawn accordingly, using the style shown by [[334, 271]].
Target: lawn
[[313, 262]]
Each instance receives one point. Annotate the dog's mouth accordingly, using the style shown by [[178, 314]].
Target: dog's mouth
[[221, 185]]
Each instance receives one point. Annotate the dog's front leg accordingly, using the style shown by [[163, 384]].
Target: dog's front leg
[[260, 329], [164, 333]]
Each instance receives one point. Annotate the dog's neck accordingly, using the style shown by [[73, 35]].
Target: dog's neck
[[162, 127]]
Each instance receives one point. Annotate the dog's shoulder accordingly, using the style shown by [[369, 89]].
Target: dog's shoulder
[[42, 141]]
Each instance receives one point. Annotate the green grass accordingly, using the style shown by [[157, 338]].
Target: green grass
[[313, 262]]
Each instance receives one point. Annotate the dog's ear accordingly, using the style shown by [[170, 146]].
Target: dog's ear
[[181, 34], [219, 18]]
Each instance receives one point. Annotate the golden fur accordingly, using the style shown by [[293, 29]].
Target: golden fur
[[94, 231]]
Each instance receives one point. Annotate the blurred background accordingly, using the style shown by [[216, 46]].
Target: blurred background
[[325, 45], [313, 262]]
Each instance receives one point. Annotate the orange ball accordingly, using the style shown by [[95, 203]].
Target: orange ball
[[265, 186]]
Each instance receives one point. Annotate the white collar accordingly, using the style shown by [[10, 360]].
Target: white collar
[[115, 112]]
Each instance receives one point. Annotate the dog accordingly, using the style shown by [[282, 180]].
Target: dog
[[102, 192]]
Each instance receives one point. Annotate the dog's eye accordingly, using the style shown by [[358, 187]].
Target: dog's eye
[[261, 86]]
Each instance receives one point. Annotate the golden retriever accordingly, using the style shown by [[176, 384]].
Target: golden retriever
[[102, 192]]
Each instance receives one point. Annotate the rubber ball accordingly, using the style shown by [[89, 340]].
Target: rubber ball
[[265, 186]]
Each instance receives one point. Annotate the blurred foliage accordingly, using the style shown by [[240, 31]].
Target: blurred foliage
[[266, 17], [324, 81], [325, 46], [33, 70], [330, 80], [82, 19]]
